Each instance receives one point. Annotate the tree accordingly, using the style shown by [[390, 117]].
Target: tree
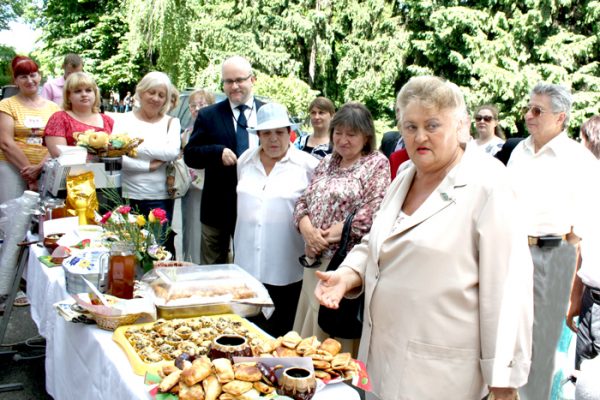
[[9, 11], [7, 53]]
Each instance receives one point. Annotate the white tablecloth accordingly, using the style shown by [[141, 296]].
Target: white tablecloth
[[82, 361]]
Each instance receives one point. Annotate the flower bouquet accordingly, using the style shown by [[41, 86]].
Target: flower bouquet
[[107, 145], [146, 235]]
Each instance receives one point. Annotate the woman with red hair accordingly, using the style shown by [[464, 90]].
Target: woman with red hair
[[23, 118]]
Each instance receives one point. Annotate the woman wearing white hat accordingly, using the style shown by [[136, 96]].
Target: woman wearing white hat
[[267, 245]]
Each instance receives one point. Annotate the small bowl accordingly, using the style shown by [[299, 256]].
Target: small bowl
[[51, 241]]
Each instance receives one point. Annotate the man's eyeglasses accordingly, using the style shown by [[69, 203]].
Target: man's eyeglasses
[[486, 118], [307, 262], [239, 81], [535, 110]]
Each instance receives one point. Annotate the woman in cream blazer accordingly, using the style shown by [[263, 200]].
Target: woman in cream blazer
[[446, 271]]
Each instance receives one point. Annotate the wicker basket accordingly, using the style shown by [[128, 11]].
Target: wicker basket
[[112, 323], [122, 151]]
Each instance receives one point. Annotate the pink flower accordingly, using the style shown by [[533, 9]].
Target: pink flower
[[123, 210], [158, 214], [105, 217]]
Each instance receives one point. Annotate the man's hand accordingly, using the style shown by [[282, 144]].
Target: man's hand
[[229, 158]]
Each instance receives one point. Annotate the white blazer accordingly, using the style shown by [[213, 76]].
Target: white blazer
[[448, 289]]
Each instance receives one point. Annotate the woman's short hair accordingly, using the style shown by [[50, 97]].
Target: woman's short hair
[[322, 103], [72, 60], [560, 98], [431, 92], [152, 80], [358, 118], [79, 80], [208, 97], [22, 65], [590, 130], [495, 113]]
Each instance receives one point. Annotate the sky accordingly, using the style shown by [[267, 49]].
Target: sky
[[20, 36]]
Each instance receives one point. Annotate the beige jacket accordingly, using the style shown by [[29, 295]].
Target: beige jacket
[[449, 291]]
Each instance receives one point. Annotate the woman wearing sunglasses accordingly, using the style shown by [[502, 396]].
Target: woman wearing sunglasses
[[490, 136]]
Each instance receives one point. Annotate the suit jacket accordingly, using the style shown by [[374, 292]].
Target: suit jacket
[[388, 142], [448, 289], [213, 132]]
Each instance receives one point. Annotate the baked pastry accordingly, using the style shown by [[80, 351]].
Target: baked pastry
[[212, 388], [194, 392], [322, 375], [237, 388], [331, 346], [340, 360], [223, 369], [282, 351], [308, 346], [320, 364], [263, 387], [291, 339], [169, 381], [248, 372], [200, 369]]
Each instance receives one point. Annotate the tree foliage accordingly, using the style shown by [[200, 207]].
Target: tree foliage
[[7, 53], [10, 10], [361, 50]]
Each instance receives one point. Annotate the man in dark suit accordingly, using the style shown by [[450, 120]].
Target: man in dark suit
[[220, 136], [390, 142]]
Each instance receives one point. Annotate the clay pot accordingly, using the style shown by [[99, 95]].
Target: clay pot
[[297, 383], [51, 241], [229, 346]]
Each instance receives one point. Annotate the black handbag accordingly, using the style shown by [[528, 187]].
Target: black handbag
[[345, 322]]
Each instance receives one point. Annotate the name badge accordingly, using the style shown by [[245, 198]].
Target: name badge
[[33, 122]]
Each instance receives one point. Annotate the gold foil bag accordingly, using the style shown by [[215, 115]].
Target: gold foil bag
[[82, 187]]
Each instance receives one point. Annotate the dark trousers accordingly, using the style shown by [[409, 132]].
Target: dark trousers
[[285, 298], [588, 334], [214, 245], [145, 206]]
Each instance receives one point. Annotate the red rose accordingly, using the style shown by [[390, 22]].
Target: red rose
[[105, 217], [159, 214], [123, 210]]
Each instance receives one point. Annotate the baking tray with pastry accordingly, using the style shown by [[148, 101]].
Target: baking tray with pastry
[[182, 292]]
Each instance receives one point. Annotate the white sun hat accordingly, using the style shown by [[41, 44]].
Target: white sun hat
[[271, 116]]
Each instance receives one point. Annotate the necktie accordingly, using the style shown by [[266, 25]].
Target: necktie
[[241, 134]]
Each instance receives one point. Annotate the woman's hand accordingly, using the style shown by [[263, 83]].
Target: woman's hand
[[504, 393], [333, 285], [31, 173], [228, 157], [333, 234], [315, 243], [155, 164]]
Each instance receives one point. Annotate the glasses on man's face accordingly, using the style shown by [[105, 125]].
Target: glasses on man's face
[[239, 81], [307, 262], [486, 118], [535, 110]]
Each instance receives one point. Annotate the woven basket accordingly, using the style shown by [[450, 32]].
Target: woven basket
[[112, 323], [122, 151]]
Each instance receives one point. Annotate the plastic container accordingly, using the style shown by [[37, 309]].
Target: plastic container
[[206, 290]]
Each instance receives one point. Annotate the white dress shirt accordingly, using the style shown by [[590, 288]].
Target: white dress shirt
[[266, 242], [589, 272], [551, 185], [250, 114]]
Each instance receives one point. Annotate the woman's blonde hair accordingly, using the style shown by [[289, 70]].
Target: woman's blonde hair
[[78, 80], [433, 92], [152, 80]]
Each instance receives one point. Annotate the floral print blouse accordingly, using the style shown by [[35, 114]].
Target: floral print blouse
[[335, 192]]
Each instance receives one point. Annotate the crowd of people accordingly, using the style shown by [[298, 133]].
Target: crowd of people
[[468, 265]]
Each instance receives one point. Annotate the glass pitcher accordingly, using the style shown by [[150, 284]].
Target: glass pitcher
[[122, 266]]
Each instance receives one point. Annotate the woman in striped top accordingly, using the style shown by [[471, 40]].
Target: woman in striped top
[[23, 118]]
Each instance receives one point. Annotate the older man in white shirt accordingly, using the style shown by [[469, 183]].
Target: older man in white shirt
[[547, 173]]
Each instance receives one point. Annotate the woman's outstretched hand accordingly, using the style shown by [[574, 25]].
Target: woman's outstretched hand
[[330, 289]]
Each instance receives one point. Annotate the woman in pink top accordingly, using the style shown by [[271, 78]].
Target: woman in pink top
[[81, 104]]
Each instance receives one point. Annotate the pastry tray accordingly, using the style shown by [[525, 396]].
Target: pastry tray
[[140, 367]]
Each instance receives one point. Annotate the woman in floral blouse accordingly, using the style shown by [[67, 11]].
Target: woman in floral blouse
[[353, 178]]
